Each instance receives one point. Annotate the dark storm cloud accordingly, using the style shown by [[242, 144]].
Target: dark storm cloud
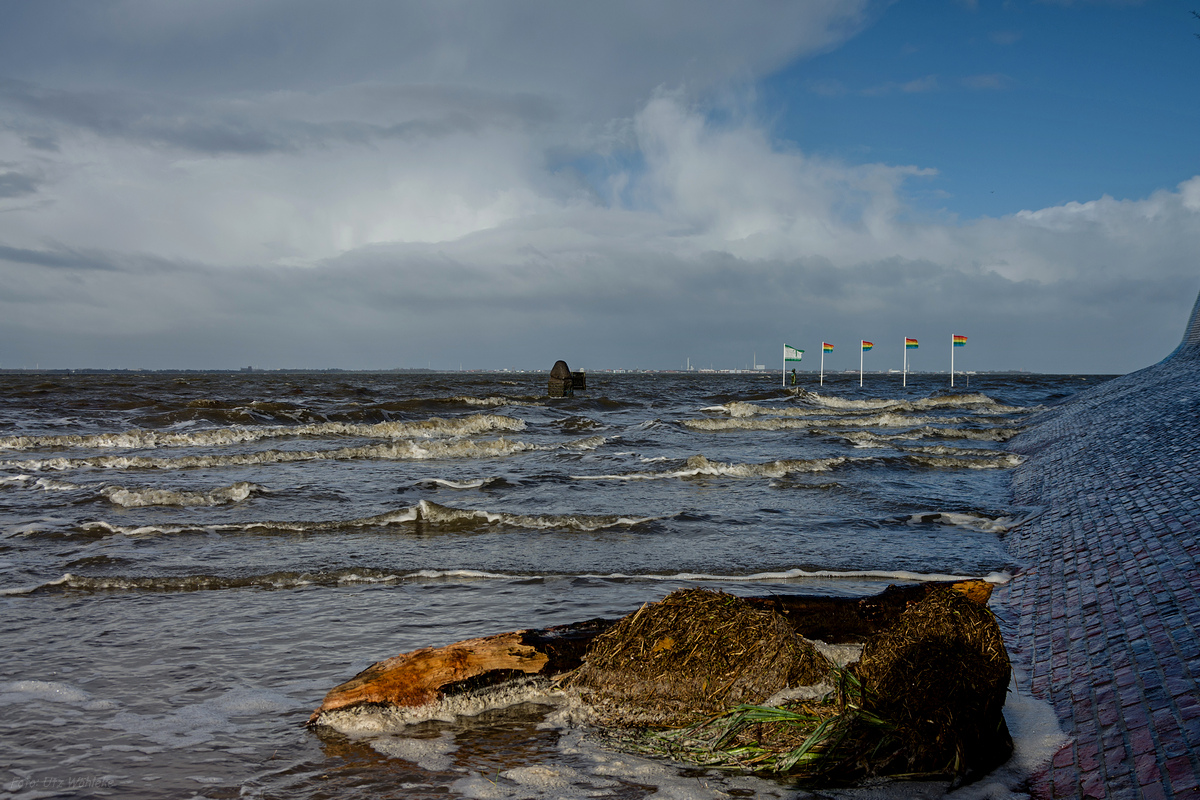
[[604, 57], [58, 259], [15, 184], [266, 125]]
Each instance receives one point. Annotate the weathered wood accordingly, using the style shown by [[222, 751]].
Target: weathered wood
[[429, 674]]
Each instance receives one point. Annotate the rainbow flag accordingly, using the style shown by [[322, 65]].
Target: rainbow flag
[[958, 340], [910, 344], [867, 345], [826, 347]]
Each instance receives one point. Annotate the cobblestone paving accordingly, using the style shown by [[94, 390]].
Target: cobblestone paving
[[1102, 619]]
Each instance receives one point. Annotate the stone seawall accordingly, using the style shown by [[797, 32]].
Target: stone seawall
[[1104, 615]]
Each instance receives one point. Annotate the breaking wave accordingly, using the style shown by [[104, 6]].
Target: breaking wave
[[997, 460], [872, 439], [429, 516], [70, 582], [977, 522], [405, 450], [825, 403], [698, 465], [141, 439], [141, 498], [889, 419]]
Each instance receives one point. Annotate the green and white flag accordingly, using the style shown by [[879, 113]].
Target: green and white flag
[[792, 354]]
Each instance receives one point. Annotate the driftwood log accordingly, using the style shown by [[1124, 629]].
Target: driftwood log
[[430, 674]]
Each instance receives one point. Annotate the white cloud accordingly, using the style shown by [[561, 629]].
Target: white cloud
[[443, 208]]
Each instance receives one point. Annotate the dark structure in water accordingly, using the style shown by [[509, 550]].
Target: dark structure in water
[[562, 384]]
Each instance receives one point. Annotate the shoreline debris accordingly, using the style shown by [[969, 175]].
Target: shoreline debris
[[689, 677]]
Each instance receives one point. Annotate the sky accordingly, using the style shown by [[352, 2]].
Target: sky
[[372, 184]]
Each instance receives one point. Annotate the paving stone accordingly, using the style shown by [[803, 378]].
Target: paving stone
[[1103, 615]]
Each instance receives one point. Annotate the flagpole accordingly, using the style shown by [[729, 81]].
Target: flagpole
[[904, 379], [822, 363], [861, 349], [785, 366], [951, 361]]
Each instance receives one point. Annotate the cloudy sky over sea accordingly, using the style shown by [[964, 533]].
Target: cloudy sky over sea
[[378, 184]]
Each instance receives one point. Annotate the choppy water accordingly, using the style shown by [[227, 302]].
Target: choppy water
[[189, 562]]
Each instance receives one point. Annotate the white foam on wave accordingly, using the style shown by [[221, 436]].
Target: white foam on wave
[[142, 498], [946, 450], [800, 574], [435, 513], [395, 517], [51, 485], [862, 438], [998, 460], [292, 580], [751, 424], [424, 511], [698, 465], [449, 484], [491, 401], [19, 590], [274, 580], [825, 403], [887, 419], [977, 522], [399, 451], [137, 439]]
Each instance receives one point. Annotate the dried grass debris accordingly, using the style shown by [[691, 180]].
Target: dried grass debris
[[692, 655]]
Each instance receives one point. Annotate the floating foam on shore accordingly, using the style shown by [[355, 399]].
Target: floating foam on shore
[[1036, 738], [191, 725], [433, 755], [361, 721]]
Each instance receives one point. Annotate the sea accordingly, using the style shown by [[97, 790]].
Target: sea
[[189, 562]]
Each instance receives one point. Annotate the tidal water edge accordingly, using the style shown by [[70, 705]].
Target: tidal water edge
[[189, 562]]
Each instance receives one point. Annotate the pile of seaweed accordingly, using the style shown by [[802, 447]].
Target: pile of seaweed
[[703, 678], [693, 654]]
